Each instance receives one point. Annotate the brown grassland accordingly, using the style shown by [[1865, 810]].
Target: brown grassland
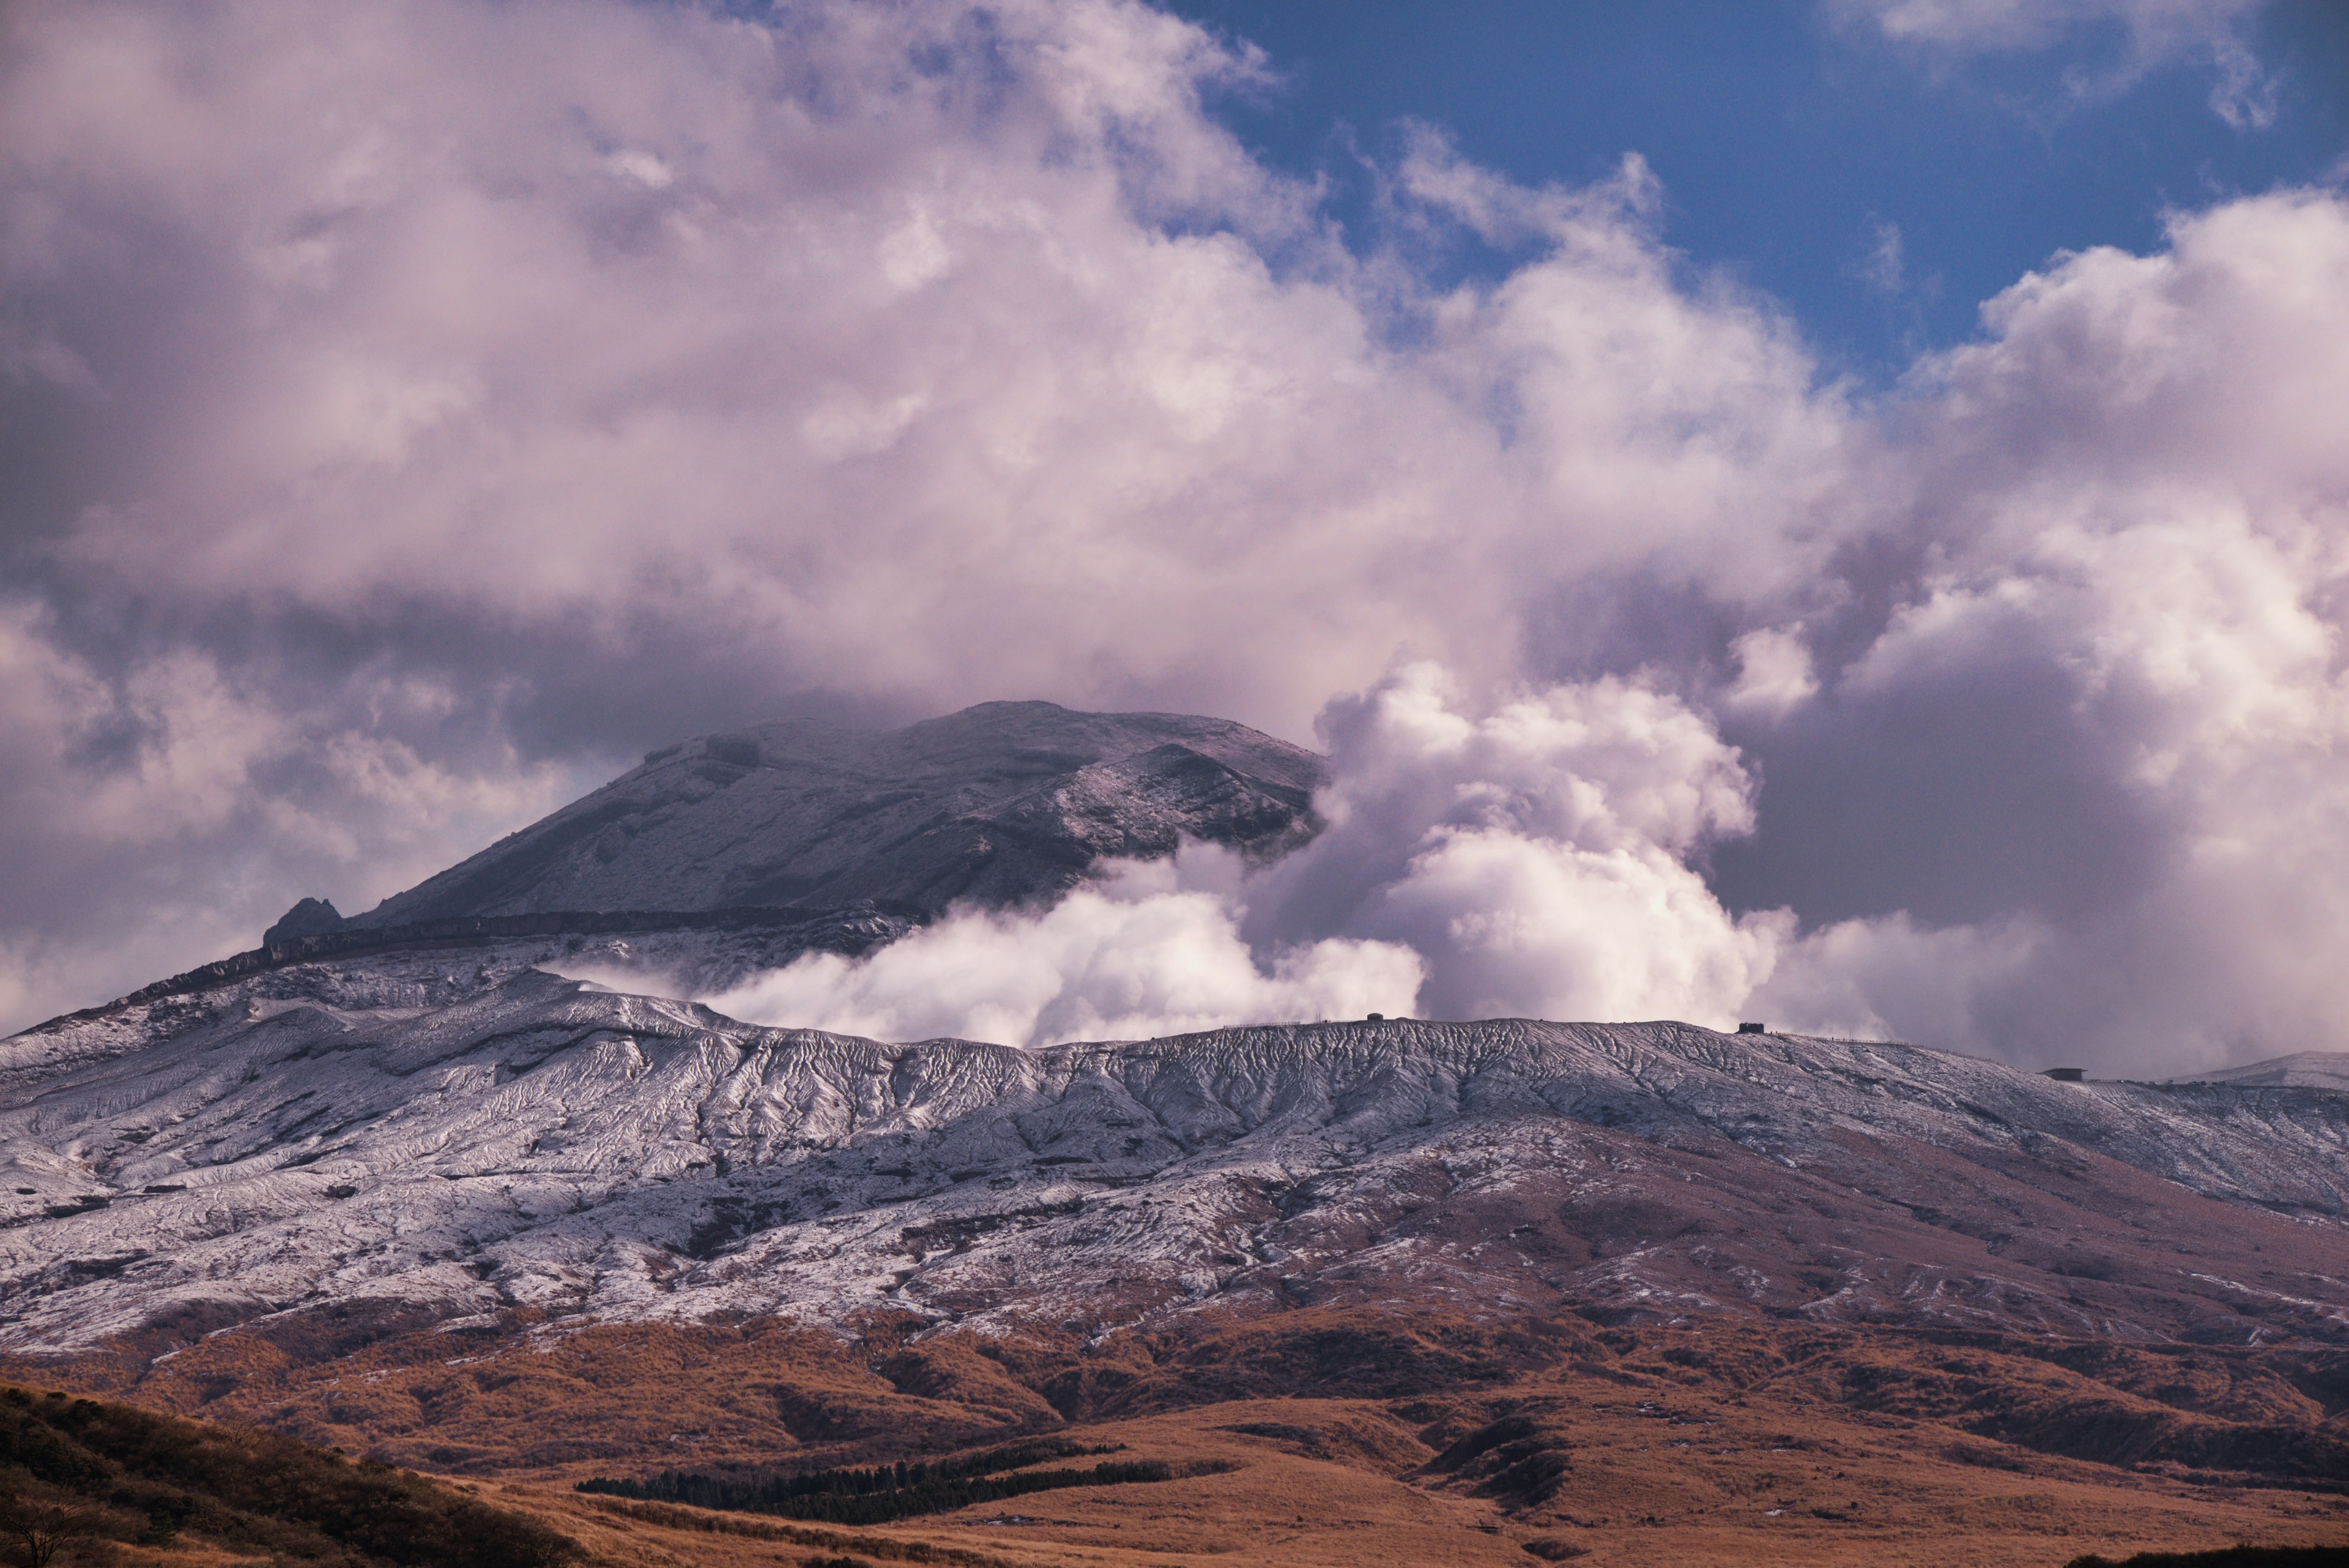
[[1349, 1436]]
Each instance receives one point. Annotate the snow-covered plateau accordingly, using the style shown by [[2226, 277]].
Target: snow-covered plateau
[[465, 1133]]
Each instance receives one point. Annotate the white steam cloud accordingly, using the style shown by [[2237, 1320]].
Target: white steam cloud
[[1137, 956], [1534, 862], [1537, 857]]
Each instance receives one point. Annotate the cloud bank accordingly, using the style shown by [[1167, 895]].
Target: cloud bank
[[410, 414]]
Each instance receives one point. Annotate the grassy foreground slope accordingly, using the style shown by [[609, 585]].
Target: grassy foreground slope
[[80, 1479], [1652, 1451]]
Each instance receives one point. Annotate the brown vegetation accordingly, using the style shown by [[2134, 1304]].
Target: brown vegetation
[[78, 1475], [1344, 1436]]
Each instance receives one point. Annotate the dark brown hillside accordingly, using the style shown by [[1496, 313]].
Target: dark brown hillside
[[76, 1475]]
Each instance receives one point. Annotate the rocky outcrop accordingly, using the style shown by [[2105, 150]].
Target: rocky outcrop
[[310, 918]]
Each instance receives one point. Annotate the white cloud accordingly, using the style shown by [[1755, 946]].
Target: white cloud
[[1775, 673], [446, 398], [2034, 23], [1889, 978], [647, 169], [1532, 861], [2155, 32], [2151, 506], [1135, 459], [1885, 267], [1137, 955], [1536, 857]]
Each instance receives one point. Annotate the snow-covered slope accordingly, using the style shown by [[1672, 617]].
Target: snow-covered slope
[[2301, 1070], [425, 1120], [1003, 804], [463, 1139]]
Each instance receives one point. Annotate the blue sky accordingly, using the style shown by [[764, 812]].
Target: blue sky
[[1791, 144]]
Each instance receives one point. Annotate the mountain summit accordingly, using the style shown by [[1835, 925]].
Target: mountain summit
[[1003, 804]]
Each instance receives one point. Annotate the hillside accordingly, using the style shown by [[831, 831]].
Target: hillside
[[346, 1133], [83, 1478]]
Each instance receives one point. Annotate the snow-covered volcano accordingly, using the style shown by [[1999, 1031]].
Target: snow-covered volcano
[[1002, 804], [733, 854], [426, 1120]]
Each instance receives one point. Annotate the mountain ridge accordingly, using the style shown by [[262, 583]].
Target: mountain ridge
[[1001, 803], [543, 1126]]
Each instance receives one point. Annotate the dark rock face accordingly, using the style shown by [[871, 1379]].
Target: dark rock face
[[310, 918], [1003, 804]]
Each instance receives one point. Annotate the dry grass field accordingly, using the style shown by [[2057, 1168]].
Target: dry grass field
[[1347, 1484], [1849, 1500], [1422, 1438]]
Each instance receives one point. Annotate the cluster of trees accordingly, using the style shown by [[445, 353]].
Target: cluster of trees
[[80, 1469], [884, 1492]]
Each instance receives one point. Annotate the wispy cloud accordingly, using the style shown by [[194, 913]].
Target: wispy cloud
[[2153, 33], [1884, 266]]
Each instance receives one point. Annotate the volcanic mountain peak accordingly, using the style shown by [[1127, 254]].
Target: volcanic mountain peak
[[1006, 802], [354, 1181]]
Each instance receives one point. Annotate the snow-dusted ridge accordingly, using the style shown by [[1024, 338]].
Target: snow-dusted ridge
[[2301, 1070], [999, 804], [464, 1141]]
